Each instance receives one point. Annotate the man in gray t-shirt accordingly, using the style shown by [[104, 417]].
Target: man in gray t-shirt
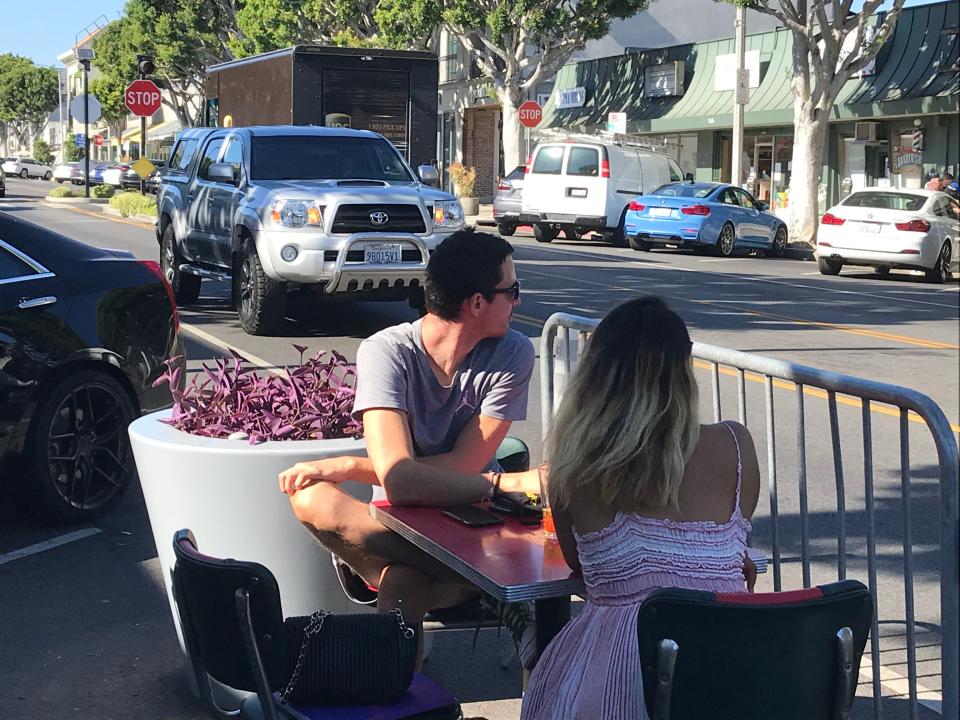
[[436, 398]]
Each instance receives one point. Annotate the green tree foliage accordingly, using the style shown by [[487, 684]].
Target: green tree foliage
[[71, 153], [27, 93], [515, 43], [831, 42], [41, 152]]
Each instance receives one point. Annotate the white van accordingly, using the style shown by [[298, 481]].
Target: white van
[[580, 186]]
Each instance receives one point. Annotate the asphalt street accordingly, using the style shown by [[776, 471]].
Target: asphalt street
[[85, 631]]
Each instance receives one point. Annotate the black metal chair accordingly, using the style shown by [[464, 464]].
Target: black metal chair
[[788, 655], [232, 624]]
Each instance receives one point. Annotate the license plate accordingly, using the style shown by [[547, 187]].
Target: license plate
[[578, 192], [869, 227], [661, 212], [383, 254]]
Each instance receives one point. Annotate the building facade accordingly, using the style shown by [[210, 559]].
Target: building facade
[[894, 124], [469, 122]]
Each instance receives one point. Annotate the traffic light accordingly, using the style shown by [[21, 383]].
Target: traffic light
[[145, 65]]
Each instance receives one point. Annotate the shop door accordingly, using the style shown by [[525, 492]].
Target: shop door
[[763, 167]]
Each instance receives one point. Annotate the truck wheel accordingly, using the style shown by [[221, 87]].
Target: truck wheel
[[262, 302], [506, 229], [828, 267], [618, 237], [544, 233], [186, 287]]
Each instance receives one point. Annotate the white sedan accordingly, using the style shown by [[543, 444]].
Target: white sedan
[[887, 228], [64, 172]]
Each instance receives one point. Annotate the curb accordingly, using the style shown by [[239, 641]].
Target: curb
[[147, 219], [77, 201]]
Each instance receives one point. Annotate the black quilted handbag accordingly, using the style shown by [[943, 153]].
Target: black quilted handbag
[[362, 659]]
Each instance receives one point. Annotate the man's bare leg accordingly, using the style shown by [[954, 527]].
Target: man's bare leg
[[401, 571]]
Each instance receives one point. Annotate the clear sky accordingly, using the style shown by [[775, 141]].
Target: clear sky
[[42, 29]]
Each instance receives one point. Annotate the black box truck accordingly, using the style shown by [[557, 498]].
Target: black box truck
[[392, 92]]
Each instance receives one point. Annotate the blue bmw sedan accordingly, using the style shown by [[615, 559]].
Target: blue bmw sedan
[[713, 216]]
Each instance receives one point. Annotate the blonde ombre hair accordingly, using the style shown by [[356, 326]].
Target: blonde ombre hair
[[628, 421]]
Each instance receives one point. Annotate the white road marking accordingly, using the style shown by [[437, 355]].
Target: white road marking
[[899, 685], [745, 277], [47, 545], [217, 342]]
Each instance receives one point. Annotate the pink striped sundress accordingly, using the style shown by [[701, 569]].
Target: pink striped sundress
[[591, 669]]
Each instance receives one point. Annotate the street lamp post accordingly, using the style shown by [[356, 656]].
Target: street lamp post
[[85, 64], [740, 97]]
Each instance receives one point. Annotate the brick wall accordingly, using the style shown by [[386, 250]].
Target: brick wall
[[479, 131]]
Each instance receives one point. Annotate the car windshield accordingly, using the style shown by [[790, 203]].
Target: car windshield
[[312, 157], [886, 201], [684, 190]]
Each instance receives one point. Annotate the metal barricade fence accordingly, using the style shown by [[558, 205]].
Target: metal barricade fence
[[562, 343]]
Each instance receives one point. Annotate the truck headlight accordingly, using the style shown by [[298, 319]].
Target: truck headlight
[[296, 213], [447, 214]]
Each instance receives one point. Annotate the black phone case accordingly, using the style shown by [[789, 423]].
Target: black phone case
[[472, 516]]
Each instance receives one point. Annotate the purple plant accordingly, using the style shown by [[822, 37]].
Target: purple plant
[[310, 402]]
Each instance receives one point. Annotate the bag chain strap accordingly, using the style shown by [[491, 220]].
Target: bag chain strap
[[313, 628]]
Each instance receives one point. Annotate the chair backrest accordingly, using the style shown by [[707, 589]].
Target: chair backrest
[[765, 655], [205, 589]]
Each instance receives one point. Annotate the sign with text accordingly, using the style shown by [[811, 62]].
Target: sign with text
[[571, 97], [80, 140], [142, 97], [663, 80], [98, 140], [617, 122], [530, 113]]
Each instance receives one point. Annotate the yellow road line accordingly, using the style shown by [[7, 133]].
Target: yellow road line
[[842, 328], [102, 216], [782, 384]]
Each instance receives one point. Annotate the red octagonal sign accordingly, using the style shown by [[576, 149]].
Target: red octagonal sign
[[142, 97], [530, 113]]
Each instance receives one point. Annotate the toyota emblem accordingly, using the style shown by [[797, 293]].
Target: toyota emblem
[[379, 217]]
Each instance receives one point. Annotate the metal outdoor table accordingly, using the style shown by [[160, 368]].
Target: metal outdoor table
[[511, 561]]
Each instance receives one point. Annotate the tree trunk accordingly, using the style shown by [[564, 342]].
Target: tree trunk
[[512, 138], [809, 139]]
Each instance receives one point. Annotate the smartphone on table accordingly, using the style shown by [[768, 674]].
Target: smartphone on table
[[472, 516]]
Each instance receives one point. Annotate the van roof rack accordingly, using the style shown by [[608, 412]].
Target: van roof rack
[[602, 136]]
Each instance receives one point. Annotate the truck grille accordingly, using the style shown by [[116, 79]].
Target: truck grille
[[356, 218]]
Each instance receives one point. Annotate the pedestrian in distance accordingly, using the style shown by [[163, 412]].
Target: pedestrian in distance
[[949, 185], [644, 496], [436, 398]]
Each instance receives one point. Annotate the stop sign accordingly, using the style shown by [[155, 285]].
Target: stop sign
[[530, 113], [142, 97], [98, 140]]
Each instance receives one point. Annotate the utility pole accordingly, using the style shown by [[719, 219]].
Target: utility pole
[[741, 97], [86, 129], [145, 67]]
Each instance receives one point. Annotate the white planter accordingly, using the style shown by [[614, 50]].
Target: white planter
[[226, 492]]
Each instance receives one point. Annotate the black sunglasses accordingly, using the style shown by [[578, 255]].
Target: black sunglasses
[[513, 291]]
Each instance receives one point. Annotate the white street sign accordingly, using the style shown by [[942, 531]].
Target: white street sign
[[76, 108]]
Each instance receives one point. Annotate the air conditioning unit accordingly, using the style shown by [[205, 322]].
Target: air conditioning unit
[[866, 131]]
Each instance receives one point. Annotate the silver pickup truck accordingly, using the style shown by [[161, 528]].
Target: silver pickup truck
[[271, 208]]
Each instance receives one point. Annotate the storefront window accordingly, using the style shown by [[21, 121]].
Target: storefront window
[[782, 170]]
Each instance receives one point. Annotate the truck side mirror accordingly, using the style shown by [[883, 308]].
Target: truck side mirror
[[222, 172], [429, 175]]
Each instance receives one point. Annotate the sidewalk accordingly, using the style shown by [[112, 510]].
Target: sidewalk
[[485, 217]]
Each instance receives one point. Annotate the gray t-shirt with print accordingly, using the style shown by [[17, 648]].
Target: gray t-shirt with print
[[393, 371]]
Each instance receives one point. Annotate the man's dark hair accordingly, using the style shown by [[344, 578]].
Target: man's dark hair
[[466, 263]]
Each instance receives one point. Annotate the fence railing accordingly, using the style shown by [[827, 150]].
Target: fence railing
[[563, 341]]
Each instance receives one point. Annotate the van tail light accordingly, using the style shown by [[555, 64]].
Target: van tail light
[[634, 205], [154, 267], [829, 219], [913, 226], [526, 168], [604, 168], [695, 210], [504, 185]]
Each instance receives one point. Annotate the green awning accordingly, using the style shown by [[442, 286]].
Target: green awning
[[915, 74]]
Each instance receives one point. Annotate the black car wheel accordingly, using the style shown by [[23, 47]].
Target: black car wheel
[[544, 233], [24, 174], [618, 236], [506, 229], [829, 267], [262, 301], [47, 175], [779, 248], [186, 287], [637, 244], [940, 273], [726, 241], [78, 453]]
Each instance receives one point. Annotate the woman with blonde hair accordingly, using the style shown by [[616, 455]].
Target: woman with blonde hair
[[644, 497]]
